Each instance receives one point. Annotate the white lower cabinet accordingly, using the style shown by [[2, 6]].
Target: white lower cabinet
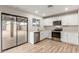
[[45, 34], [73, 38], [64, 37], [34, 37], [42, 35], [68, 37]]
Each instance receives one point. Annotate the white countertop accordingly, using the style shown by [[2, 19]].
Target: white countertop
[[71, 29]]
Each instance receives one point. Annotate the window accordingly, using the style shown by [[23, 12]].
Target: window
[[35, 22]]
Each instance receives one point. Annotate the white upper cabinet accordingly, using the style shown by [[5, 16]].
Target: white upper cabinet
[[48, 22], [71, 19], [56, 18]]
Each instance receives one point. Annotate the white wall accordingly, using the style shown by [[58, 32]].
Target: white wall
[[30, 27]]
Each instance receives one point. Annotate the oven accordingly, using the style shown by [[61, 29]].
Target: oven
[[56, 34]]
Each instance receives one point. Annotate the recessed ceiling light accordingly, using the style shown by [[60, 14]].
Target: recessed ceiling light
[[36, 11], [66, 9]]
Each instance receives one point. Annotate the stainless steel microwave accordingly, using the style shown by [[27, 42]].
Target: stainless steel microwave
[[56, 23]]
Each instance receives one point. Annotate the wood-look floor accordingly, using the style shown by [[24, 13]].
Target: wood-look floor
[[45, 46]]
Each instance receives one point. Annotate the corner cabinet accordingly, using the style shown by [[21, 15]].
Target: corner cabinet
[[45, 34], [68, 37]]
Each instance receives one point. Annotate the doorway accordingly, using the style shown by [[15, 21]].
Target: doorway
[[14, 31], [21, 30]]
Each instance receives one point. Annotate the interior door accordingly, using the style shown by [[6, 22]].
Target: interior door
[[8, 31], [21, 30]]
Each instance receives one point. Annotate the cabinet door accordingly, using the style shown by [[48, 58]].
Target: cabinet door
[[64, 20], [55, 18], [73, 38], [48, 22], [71, 19], [45, 34], [49, 34], [42, 36], [64, 37]]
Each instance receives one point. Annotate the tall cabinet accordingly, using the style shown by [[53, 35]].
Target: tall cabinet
[[70, 33]]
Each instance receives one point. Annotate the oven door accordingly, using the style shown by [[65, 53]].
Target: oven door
[[56, 36]]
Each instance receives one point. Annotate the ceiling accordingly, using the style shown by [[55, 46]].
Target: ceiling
[[43, 10]]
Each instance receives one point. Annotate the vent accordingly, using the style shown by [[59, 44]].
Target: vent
[[49, 6]]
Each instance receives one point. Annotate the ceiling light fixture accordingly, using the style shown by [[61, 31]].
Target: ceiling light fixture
[[66, 9]]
